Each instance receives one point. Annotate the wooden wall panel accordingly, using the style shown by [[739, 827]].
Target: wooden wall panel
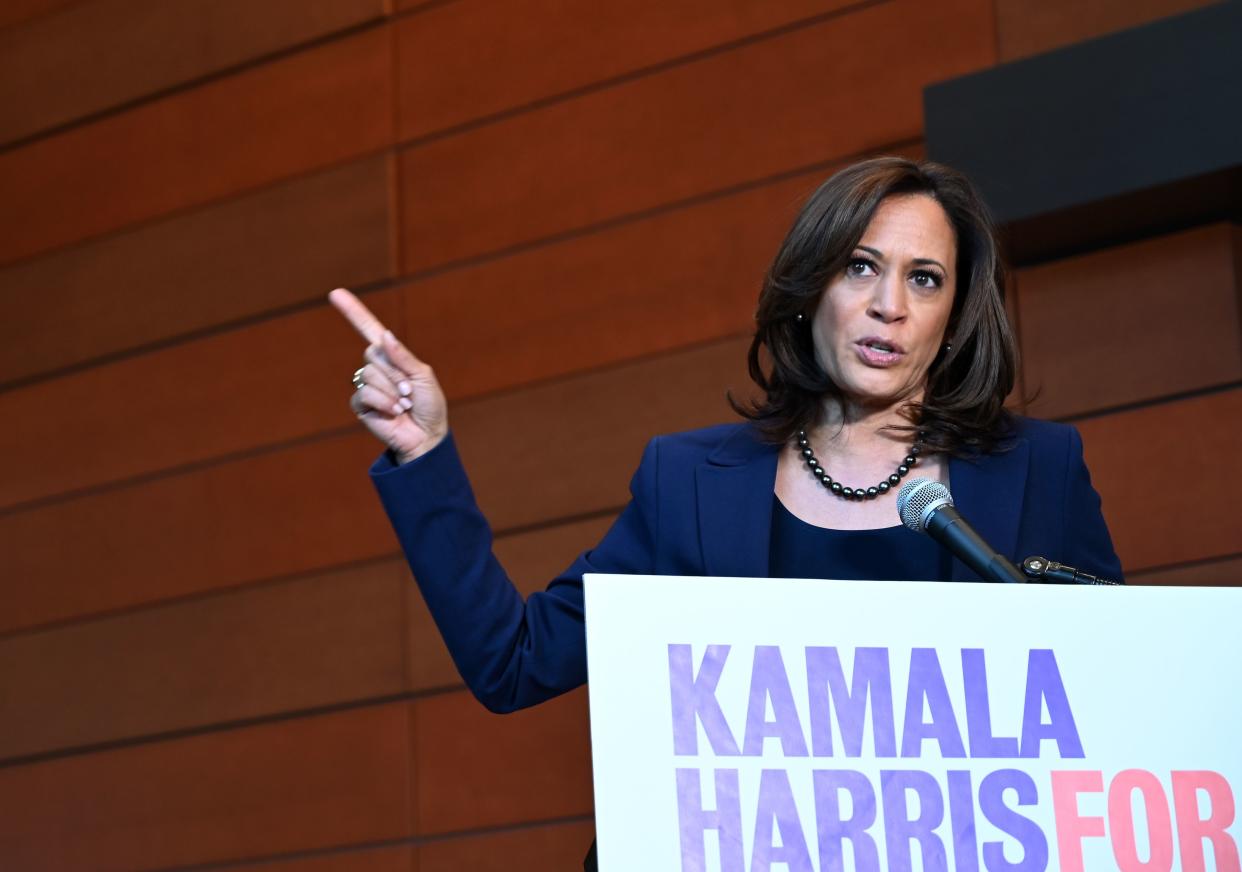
[[288, 786], [401, 858], [305, 508], [700, 127], [554, 847], [1024, 28], [1226, 572], [521, 53], [1173, 300], [531, 558], [281, 246], [477, 769], [295, 645], [307, 111], [522, 448], [101, 54], [1166, 479], [310, 506], [268, 383], [18, 11]]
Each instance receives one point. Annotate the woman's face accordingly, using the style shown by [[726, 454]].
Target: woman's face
[[881, 322]]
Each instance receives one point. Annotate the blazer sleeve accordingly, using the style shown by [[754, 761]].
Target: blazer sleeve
[[512, 653], [1087, 543]]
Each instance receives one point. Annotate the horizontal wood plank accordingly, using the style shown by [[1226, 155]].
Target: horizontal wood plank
[[310, 506], [684, 276], [551, 847], [93, 56], [295, 645], [229, 392], [532, 559], [399, 858], [315, 108], [295, 785], [1225, 572], [1082, 316], [474, 769], [534, 50], [16, 12], [1166, 487], [266, 516], [279, 247], [1024, 28], [727, 119]]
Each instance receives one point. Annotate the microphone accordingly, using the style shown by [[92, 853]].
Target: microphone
[[926, 506]]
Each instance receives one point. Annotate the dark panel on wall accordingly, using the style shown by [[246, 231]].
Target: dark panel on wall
[[102, 53], [281, 246], [1104, 141], [1024, 28]]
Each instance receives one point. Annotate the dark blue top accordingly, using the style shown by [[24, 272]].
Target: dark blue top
[[702, 505], [802, 550]]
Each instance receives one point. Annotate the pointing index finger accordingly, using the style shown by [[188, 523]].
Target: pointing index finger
[[368, 326]]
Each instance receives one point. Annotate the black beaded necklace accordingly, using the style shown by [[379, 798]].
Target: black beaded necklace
[[858, 493]]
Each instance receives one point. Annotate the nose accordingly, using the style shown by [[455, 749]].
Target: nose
[[888, 300]]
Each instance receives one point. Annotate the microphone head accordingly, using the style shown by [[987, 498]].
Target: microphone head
[[918, 498]]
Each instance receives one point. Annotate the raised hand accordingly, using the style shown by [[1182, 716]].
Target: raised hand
[[397, 396]]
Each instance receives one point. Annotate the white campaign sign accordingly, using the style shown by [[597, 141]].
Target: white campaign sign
[[745, 725]]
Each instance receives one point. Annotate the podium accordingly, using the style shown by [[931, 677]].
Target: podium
[[745, 725]]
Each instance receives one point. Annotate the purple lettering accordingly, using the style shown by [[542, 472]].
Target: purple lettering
[[769, 681], [962, 822], [695, 821], [871, 680], [900, 828], [777, 811], [1023, 829], [1044, 687], [927, 683], [978, 711], [694, 696], [834, 830]]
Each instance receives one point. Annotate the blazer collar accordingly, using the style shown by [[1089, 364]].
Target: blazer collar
[[735, 487], [736, 482], [988, 490]]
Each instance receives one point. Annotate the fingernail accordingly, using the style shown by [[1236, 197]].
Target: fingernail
[[407, 403], [405, 389], [397, 409]]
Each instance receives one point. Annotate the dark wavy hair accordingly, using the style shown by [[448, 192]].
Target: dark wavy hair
[[962, 411]]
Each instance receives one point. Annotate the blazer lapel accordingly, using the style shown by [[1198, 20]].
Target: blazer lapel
[[735, 487], [988, 491]]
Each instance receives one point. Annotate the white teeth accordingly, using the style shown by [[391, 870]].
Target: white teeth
[[876, 346]]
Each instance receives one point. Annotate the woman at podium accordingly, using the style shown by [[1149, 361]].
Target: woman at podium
[[881, 352]]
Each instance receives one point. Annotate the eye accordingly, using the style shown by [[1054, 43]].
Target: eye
[[861, 266], [925, 278]]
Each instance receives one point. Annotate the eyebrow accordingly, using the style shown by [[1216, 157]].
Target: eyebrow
[[918, 260]]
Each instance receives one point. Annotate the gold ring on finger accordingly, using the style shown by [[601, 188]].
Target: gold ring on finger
[[359, 384]]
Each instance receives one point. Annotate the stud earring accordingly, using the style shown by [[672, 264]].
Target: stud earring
[[799, 317]]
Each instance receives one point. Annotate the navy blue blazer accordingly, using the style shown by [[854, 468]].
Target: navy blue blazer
[[702, 505]]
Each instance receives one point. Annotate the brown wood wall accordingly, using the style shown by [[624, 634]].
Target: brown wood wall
[[210, 652]]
